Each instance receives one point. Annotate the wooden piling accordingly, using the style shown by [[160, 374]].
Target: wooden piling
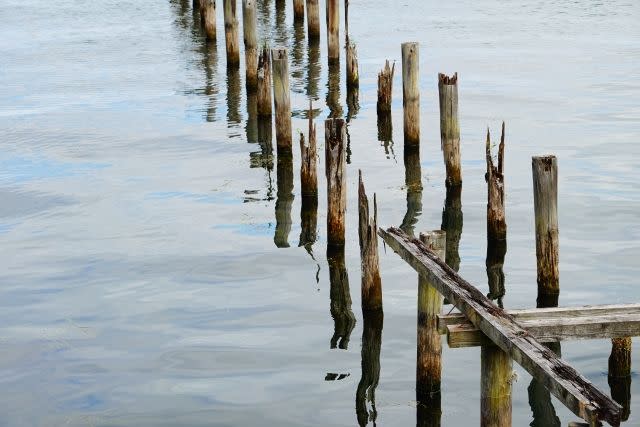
[[411, 93], [495, 387], [281, 97], [368, 237], [298, 10], [250, 25], [335, 136], [449, 127], [264, 83], [333, 30], [308, 169], [208, 16], [231, 33], [429, 348], [353, 78], [545, 200], [620, 374], [496, 220], [385, 88], [313, 20]]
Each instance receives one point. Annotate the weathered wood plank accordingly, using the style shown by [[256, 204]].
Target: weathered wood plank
[[525, 315], [563, 381]]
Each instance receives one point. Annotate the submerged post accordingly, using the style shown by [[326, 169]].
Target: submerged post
[[495, 387], [264, 83], [313, 20], [333, 30], [545, 200], [335, 136], [298, 10], [231, 33], [411, 94], [368, 237], [250, 24], [281, 97], [385, 88], [208, 16], [429, 349], [449, 128]]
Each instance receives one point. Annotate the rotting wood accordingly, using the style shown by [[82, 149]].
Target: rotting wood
[[368, 238], [281, 97], [335, 168], [298, 10], [249, 26], [385, 88], [264, 83], [208, 16], [411, 93], [496, 220], [449, 127], [313, 21], [496, 376], [429, 345], [353, 77], [333, 31], [563, 381], [231, 33], [619, 375], [545, 201], [308, 163]]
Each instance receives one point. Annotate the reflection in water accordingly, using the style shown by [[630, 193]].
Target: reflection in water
[[284, 198], [210, 63], [264, 157], [181, 8], [452, 224], [264, 20], [496, 250], [544, 414], [385, 134], [333, 92], [343, 318], [621, 393], [251, 125], [370, 363], [313, 69], [281, 33], [234, 93], [429, 410], [297, 57], [413, 184]]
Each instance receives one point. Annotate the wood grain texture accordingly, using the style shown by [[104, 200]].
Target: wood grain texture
[[385, 87], [313, 20], [449, 127], [231, 33], [411, 93], [250, 31], [333, 30], [368, 238], [208, 16], [281, 97], [264, 83], [563, 381], [335, 169]]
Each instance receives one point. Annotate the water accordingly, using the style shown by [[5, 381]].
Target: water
[[141, 283]]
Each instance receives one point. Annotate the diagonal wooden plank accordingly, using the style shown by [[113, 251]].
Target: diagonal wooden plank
[[563, 381]]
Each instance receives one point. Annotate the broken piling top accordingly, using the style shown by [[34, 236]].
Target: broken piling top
[[385, 88], [368, 238], [563, 381], [335, 135]]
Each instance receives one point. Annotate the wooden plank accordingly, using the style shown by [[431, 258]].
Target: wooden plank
[[563, 381], [554, 329]]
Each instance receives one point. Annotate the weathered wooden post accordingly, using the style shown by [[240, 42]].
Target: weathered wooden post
[[264, 83], [309, 185], [620, 374], [250, 28], [385, 88], [313, 21], [284, 199], [343, 317], [370, 364], [449, 128], [335, 136], [298, 10], [281, 98], [495, 387], [429, 364], [208, 15], [411, 93], [231, 33], [353, 77], [333, 30], [368, 237], [545, 200]]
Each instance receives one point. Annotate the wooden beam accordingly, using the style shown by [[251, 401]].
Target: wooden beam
[[563, 381]]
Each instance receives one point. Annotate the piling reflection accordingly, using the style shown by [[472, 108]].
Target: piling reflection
[[313, 69], [429, 410], [544, 414], [452, 224], [370, 364], [251, 124], [234, 94], [496, 250], [264, 19], [181, 8], [619, 375], [413, 184], [333, 92], [297, 57], [281, 31], [210, 64], [264, 157], [385, 134], [284, 198], [343, 318]]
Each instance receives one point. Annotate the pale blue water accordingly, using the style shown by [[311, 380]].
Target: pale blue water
[[140, 282]]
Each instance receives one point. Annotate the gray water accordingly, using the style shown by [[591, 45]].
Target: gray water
[[140, 281]]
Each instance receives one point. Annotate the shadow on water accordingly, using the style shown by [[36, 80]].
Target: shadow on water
[[452, 224], [343, 318], [413, 184], [333, 92], [370, 364], [284, 198], [234, 98]]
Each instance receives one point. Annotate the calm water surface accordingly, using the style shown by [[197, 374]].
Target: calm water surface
[[151, 268]]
